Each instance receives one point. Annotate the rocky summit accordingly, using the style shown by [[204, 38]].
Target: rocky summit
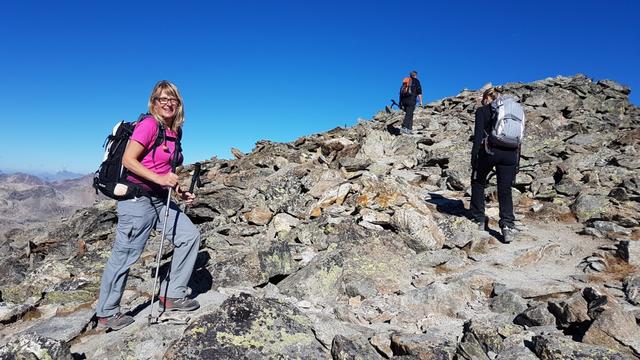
[[356, 244]]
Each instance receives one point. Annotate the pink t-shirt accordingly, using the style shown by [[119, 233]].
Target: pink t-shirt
[[158, 161]]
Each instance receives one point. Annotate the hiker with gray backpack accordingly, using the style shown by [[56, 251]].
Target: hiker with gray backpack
[[498, 134], [139, 172]]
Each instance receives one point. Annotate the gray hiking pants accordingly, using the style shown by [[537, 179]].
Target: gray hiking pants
[[136, 218]]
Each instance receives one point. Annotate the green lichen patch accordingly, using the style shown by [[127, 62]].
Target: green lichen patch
[[247, 327], [69, 297]]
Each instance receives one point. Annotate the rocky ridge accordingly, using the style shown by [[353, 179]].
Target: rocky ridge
[[355, 243]]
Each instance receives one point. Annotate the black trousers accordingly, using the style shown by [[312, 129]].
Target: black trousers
[[409, 108], [504, 162]]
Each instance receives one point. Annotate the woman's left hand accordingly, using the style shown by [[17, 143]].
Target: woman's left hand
[[186, 196]]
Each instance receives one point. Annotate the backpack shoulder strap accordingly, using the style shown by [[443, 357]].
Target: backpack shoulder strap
[[142, 116]]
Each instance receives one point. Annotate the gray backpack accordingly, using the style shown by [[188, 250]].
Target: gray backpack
[[508, 125]]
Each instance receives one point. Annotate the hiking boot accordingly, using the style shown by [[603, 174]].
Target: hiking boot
[[482, 224], [115, 322], [175, 304], [508, 234], [405, 131]]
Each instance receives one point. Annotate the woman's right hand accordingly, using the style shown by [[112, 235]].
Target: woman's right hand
[[168, 180]]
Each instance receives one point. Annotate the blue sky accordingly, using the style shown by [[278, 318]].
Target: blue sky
[[275, 70]]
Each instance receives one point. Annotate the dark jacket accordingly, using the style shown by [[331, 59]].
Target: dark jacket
[[410, 99], [481, 129]]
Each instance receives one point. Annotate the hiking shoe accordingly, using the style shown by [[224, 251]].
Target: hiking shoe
[[175, 304], [482, 224], [404, 130], [508, 234], [115, 322]]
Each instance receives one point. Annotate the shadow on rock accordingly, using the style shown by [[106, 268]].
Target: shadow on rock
[[448, 206], [201, 279], [455, 207], [393, 130]]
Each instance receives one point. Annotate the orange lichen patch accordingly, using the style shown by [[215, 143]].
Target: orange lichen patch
[[384, 200], [487, 290], [442, 269], [355, 301], [32, 315], [387, 288], [362, 200], [619, 269], [526, 202], [567, 218], [315, 212], [482, 246], [82, 247]]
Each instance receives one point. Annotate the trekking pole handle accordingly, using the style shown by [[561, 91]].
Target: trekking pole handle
[[195, 178]]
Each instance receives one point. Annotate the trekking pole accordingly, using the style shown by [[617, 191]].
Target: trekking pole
[[195, 181], [151, 319], [513, 181]]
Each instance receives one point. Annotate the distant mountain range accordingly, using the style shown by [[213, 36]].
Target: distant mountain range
[[29, 199], [47, 176]]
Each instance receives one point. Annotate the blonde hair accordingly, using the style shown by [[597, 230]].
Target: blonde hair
[[171, 89], [490, 92]]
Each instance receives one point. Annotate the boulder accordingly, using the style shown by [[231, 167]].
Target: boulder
[[423, 346], [259, 216], [481, 338], [344, 348], [248, 327], [10, 312], [632, 288], [554, 347], [508, 302], [629, 251], [32, 346], [615, 329], [284, 222], [535, 316], [422, 231], [571, 311], [590, 207]]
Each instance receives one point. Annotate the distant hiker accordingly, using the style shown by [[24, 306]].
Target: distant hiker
[[499, 126], [409, 92], [151, 170]]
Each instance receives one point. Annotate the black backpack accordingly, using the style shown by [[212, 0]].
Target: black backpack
[[111, 176]]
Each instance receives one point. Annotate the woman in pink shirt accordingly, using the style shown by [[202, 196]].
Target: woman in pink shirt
[[150, 169]]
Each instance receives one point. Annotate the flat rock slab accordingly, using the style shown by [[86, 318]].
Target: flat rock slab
[[249, 328], [139, 340], [63, 328]]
